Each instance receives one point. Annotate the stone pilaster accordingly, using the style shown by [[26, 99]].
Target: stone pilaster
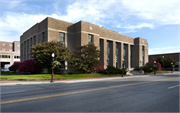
[[105, 53], [114, 53], [122, 57], [129, 56]]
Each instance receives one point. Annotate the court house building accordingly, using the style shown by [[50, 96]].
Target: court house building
[[114, 47]]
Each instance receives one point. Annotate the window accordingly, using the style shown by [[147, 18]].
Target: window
[[34, 40], [24, 50], [21, 52], [27, 49], [18, 45], [16, 57], [4, 45], [30, 42], [10, 50], [18, 50], [143, 55], [117, 55], [124, 54], [10, 45], [62, 37], [3, 49], [108, 53], [43, 36], [131, 55], [5, 56], [90, 39]]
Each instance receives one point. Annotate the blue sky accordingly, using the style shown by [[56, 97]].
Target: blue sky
[[158, 21]]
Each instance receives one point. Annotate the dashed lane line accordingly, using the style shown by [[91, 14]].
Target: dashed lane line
[[84, 91]]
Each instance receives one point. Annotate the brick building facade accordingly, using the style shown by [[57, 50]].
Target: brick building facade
[[9, 52], [113, 46], [175, 56]]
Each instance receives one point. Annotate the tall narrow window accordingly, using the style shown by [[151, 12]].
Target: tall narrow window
[[117, 55], [62, 37], [143, 55], [124, 55], [28, 49], [43, 36], [25, 50], [21, 52], [108, 53], [30, 45], [34, 40], [131, 49], [101, 49], [90, 39]]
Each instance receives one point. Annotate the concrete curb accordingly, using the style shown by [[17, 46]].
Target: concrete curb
[[70, 81]]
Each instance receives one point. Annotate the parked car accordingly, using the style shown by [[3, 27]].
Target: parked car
[[5, 70]]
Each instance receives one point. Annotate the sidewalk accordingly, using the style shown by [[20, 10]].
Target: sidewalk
[[12, 83]]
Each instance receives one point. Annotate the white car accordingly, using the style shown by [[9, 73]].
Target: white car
[[5, 70]]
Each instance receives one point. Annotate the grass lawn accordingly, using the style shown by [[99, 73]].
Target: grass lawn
[[12, 76], [158, 72]]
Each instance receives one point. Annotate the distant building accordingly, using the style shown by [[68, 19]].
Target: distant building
[[114, 47], [175, 56], [9, 52]]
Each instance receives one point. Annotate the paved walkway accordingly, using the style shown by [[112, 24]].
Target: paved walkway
[[11, 83]]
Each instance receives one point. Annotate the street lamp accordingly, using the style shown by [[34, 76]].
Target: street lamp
[[172, 67], [123, 67], [52, 67], [154, 65], [163, 62]]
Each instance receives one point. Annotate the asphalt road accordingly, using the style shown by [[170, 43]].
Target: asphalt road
[[158, 93]]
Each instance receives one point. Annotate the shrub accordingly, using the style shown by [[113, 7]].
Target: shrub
[[147, 69], [112, 70], [15, 66], [100, 67], [144, 68], [151, 63], [29, 66]]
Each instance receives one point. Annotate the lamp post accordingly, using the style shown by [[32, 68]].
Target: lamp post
[[52, 67], [123, 67], [154, 65], [172, 67], [163, 62]]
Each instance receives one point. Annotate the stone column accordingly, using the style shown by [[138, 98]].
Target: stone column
[[122, 57], [105, 53], [129, 56], [114, 53]]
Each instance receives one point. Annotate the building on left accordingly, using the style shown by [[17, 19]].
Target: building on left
[[9, 53]]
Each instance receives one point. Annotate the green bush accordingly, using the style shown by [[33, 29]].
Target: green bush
[[144, 68], [112, 70]]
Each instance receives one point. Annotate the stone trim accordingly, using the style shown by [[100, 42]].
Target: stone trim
[[116, 40], [33, 35]]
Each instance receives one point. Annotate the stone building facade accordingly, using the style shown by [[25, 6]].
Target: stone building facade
[[9, 52], [113, 46]]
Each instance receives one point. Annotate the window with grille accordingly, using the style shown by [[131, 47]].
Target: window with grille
[[62, 37]]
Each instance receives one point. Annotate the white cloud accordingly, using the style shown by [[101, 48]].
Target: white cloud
[[14, 24], [138, 26], [161, 12], [164, 50]]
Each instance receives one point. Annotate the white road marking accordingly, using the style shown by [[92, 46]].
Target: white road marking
[[13, 92], [173, 86]]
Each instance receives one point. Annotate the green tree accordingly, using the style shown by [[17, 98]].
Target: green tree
[[161, 60], [42, 53], [86, 58], [169, 61]]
